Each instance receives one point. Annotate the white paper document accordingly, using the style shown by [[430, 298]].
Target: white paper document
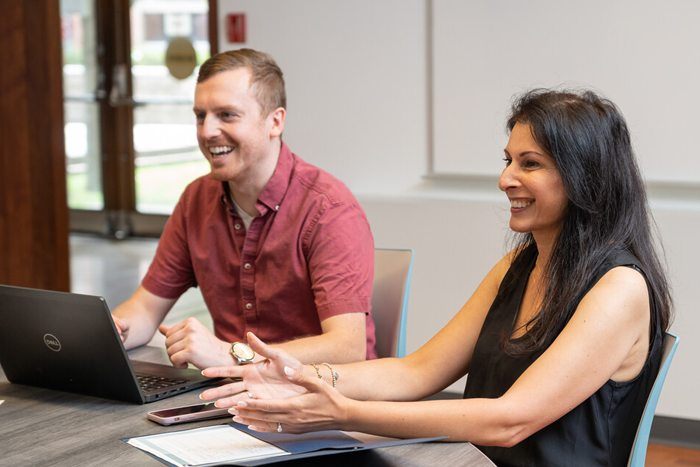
[[206, 446]]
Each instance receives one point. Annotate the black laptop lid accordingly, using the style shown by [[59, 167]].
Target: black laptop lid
[[64, 341]]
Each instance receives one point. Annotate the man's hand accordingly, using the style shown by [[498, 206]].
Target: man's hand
[[123, 326], [191, 342]]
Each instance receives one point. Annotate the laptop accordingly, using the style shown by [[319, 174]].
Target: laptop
[[68, 342]]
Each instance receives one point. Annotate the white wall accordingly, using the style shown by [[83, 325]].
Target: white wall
[[358, 81], [640, 53]]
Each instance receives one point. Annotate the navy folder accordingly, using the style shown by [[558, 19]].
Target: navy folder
[[318, 443]]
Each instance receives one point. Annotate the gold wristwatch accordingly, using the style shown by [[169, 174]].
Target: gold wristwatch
[[242, 352]]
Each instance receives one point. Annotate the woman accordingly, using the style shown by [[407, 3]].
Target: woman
[[562, 339]]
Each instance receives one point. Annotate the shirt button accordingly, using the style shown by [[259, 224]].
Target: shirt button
[[277, 208], [237, 226], [248, 306], [246, 265]]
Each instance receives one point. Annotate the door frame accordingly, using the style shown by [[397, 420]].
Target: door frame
[[119, 217]]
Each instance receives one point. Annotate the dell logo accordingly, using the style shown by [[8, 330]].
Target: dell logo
[[51, 342]]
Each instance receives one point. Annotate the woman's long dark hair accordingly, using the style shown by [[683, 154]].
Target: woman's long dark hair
[[607, 211]]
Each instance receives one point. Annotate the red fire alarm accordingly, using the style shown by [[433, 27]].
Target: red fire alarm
[[235, 27]]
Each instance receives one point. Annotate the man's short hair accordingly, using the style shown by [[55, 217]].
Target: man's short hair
[[266, 79]]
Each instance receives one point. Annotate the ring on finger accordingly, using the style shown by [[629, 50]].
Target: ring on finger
[[279, 428], [250, 394]]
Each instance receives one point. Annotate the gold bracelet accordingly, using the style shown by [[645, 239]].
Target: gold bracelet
[[334, 375], [318, 372]]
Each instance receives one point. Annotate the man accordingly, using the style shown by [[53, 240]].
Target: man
[[278, 247]]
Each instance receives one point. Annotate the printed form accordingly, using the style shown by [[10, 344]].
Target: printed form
[[206, 446]]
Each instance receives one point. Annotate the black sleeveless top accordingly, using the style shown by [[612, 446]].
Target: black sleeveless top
[[600, 431]]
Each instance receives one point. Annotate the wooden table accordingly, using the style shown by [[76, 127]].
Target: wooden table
[[43, 427]]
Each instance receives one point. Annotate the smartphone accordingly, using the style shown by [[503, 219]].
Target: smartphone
[[189, 413]]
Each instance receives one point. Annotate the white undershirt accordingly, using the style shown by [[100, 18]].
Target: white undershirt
[[245, 217]]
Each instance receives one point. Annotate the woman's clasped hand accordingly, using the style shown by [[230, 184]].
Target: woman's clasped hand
[[258, 401]]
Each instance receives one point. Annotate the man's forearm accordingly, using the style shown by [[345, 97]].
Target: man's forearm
[[344, 340], [324, 348], [141, 328], [144, 312]]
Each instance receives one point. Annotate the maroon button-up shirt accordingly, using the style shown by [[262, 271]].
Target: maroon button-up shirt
[[307, 257]]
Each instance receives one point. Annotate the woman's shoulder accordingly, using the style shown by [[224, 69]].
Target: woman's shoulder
[[626, 278], [623, 272], [621, 290], [617, 270]]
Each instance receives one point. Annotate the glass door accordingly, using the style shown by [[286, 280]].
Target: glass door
[[165, 38], [129, 76], [81, 106]]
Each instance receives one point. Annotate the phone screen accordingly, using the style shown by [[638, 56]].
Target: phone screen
[[190, 409]]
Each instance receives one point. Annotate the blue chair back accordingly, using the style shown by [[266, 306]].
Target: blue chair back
[[639, 448], [391, 285]]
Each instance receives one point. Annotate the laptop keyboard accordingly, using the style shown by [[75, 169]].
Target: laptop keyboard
[[153, 383]]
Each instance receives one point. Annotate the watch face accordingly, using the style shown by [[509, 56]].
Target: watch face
[[243, 351]]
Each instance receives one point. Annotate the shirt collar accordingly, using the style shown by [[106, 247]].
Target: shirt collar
[[273, 193]]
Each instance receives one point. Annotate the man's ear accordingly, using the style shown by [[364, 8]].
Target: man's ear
[[277, 121]]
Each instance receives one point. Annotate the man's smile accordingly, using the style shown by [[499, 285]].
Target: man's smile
[[220, 151]]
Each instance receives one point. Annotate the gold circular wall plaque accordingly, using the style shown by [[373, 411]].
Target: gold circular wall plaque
[[180, 58]]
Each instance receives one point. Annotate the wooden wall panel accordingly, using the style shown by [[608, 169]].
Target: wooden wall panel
[[33, 208]]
